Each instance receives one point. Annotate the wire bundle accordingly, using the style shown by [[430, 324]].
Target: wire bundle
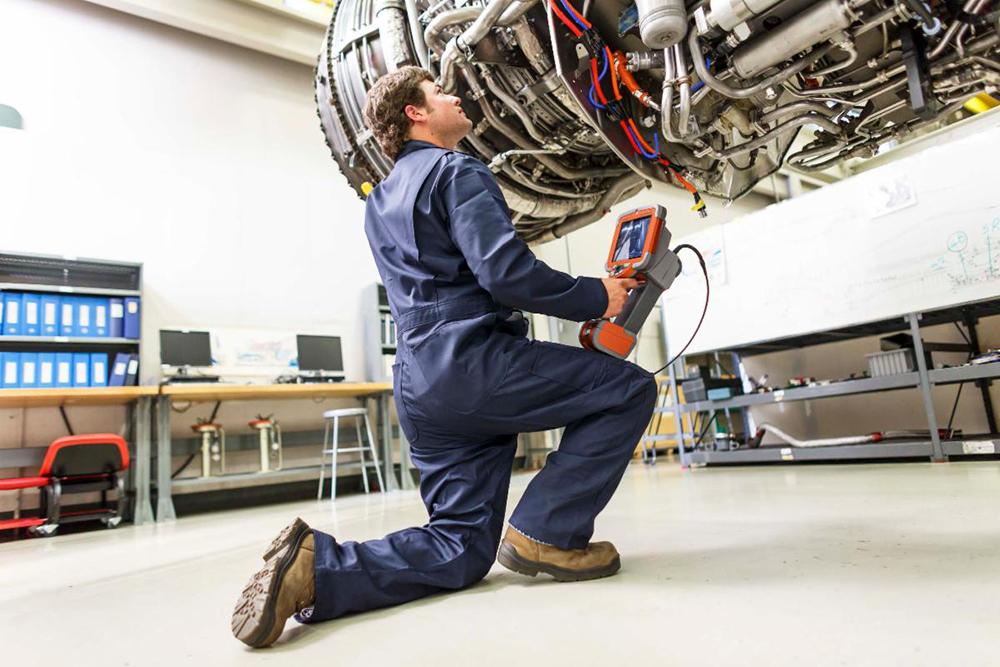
[[601, 63]]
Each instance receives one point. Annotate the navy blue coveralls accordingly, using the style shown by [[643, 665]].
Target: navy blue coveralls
[[467, 381]]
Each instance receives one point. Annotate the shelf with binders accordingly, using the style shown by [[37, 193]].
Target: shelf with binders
[[55, 312]]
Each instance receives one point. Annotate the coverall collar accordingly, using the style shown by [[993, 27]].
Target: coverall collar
[[412, 145]]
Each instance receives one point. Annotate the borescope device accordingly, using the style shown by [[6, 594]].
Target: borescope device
[[641, 250]]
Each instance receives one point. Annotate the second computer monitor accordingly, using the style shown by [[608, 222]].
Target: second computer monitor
[[185, 348], [320, 353]]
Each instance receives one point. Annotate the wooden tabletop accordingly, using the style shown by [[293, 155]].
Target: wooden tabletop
[[252, 392], [38, 398]]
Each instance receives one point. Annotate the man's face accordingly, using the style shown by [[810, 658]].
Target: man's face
[[441, 113]]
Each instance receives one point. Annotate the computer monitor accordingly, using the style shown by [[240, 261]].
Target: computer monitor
[[185, 348], [320, 353]]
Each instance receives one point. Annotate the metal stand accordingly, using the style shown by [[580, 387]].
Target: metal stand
[[142, 414], [164, 500], [923, 378]]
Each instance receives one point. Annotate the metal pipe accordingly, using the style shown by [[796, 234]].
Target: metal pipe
[[796, 107], [952, 29], [538, 57], [522, 141], [852, 56], [753, 144], [392, 28], [684, 87], [879, 19], [741, 93], [667, 101], [895, 106], [618, 190], [432, 33], [457, 47], [820, 22], [514, 106], [965, 26], [416, 34], [799, 159]]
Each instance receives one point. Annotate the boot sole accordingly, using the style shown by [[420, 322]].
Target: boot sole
[[513, 561], [264, 584], [288, 534]]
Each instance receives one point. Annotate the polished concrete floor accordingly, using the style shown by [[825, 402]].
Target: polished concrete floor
[[852, 565]]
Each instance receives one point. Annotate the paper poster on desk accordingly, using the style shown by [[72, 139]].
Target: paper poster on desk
[[253, 348]]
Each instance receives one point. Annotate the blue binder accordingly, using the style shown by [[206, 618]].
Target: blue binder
[[12, 314], [100, 314], [132, 317], [64, 369], [67, 316], [81, 369], [46, 370], [2, 309], [116, 318], [10, 371], [84, 309], [132, 373], [31, 321], [29, 370], [119, 370], [98, 370], [49, 307]]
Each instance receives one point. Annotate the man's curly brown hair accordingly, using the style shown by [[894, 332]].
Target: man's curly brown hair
[[384, 107]]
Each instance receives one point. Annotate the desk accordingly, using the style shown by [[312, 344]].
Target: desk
[[378, 392], [137, 399]]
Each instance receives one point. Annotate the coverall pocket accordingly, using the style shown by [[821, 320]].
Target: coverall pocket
[[405, 423]]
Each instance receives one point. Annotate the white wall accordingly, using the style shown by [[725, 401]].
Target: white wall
[[203, 160]]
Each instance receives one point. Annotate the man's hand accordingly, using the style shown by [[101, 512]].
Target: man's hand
[[617, 294]]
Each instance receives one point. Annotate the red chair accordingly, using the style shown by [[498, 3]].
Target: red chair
[[75, 464]]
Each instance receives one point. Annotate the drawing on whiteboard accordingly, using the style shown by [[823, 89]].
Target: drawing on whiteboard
[[970, 261], [890, 196]]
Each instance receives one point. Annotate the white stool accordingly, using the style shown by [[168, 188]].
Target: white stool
[[332, 426]]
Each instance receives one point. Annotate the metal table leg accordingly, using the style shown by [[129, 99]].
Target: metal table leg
[[142, 416], [925, 387], [165, 502]]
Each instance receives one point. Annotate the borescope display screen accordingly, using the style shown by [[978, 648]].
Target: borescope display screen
[[631, 240]]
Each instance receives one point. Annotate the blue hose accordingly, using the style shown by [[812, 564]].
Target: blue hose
[[572, 16]]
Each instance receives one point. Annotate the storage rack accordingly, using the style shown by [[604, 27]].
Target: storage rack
[[69, 275], [63, 275], [923, 379], [379, 326]]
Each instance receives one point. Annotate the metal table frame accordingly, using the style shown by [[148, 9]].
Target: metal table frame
[[377, 397], [923, 378]]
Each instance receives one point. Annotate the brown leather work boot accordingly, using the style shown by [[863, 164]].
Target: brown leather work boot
[[526, 556], [285, 586], [286, 537]]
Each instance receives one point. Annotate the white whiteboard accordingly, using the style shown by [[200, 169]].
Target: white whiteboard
[[917, 234]]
